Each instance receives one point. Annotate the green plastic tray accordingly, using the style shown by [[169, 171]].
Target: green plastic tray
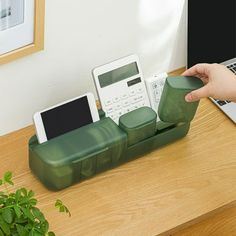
[[94, 148]]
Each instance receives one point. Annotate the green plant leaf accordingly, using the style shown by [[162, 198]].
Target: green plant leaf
[[29, 227], [8, 178], [21, 220], [27, 213], [17, 211], [7, 215], [38, 228], [18, 195], [9, 201], [58, 203], [3, 200], [38, 214], [1, 182], [30, 194], [21, 230], [62, 208], [33, 201], [45, 226], [34, 233], [1, 233], [5, 227], [31, 233], [23, 191]]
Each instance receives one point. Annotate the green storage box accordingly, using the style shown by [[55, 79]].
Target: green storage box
[[173, 108], [84, 152]]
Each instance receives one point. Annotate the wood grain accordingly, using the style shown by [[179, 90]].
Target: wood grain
[[161, 193], [223, 223]]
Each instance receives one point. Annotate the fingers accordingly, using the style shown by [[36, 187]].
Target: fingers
[[196, 95], [199, 69]]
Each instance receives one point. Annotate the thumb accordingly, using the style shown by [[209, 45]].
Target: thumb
[[197, 94]]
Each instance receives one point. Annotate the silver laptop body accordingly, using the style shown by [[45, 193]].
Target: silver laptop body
[[228, 107]]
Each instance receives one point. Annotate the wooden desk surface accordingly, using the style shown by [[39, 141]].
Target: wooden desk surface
[[160, 193]]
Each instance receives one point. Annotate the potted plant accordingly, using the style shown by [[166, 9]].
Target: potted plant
[[19, 215]]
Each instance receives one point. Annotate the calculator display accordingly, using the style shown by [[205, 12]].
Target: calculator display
[[118, 74]]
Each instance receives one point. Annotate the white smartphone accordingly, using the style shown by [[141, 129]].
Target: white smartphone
[[65, 117]]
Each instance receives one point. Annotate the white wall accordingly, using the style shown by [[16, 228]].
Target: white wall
[[81, 35]]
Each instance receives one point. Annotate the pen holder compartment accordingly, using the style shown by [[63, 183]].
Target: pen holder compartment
[[173, 108]]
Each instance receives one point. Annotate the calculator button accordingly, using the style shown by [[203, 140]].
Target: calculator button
[[154, 85], [135, 107], [125, 103], [128, 109], [140, 97], [142, 104], [120, 113], [124, 96], [135, 100], [116, 99], [109, 110], [108, 102], [140, 90], [132, 93], [118, 107]]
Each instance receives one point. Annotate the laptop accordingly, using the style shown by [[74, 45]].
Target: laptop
[[211, 37]]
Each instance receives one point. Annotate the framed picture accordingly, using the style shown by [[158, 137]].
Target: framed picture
[[21, 28]]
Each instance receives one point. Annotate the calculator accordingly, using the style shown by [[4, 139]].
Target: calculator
[[121, 87]]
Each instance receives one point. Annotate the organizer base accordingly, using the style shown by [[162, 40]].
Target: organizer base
[[81, 154]]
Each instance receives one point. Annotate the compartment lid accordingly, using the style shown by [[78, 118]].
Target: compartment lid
[[184, 82], [137, 118]]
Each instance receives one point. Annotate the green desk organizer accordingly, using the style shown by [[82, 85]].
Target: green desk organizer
[[94, 148]]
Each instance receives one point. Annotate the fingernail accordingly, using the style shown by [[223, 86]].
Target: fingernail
[[188, 98]]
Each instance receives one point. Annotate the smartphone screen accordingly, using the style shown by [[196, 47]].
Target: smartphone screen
[[67, 117]]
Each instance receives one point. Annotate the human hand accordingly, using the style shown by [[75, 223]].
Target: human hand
[[220, 82]]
